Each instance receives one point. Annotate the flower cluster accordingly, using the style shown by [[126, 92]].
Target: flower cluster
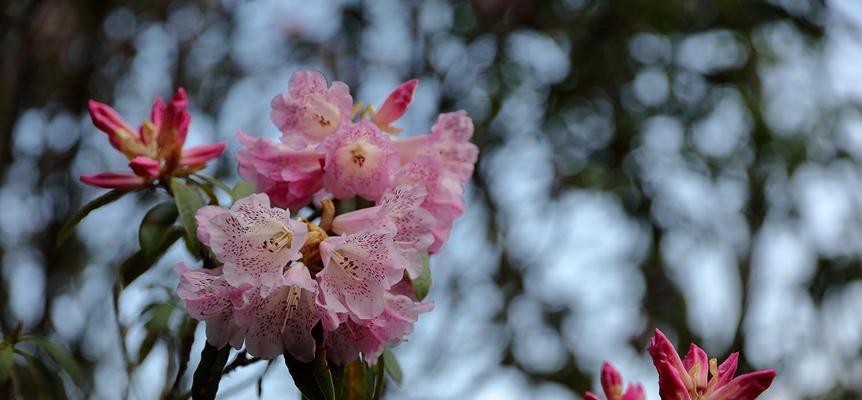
[[694, 377], [351, 273], [156, 149]]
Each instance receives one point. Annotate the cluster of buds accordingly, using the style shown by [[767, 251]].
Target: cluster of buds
[[694, 377], [155, 150], [351, 273]]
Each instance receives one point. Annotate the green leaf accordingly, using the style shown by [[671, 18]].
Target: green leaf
[[147, 345], [422, 284], [374, 380], [208, 374], [7, 358], [188, 202], [82, 213], [393, 368], [140, 262], [61, 356], [241, 190], [156, 225], [313, 379]]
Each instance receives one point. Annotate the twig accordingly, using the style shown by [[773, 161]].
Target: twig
[[239, 361]]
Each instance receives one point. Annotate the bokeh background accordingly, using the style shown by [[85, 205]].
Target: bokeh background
[[692, 165]]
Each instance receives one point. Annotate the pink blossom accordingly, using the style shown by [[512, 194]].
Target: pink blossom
[[612, 384], [395, 106], [289, 176], [450, 138], [155, 149], [360, 160], [283, 318], [371, 336], [444, 200], [358, 269], [310, 110], [400, 206], [686, 379], [203, 217], [208, 297], [253, 240]]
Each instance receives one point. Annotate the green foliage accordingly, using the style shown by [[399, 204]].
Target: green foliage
[[241, 190], [59, 355], [422, 283], [155, 226], [188, 202], [7, 360], [313, 379], [393, 368], [82, 213], [141, 261]]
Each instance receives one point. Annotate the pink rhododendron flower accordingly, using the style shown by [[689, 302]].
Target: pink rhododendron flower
[[449, 137], [360, 160], [311, 110], [612, 384], [395, 106], [371, 336], [686, 379], [358, 269], [400, 206], [289, 176], [253, 240], [208, 297], [444, 199], [155, 149], [283, 318]]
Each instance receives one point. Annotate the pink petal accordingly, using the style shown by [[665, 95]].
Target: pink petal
[[745, 387], [444, 194], [726, 370], [208, 297], [396, 104], [635, 392], [145, 166], [255, 241], [357, 270], [173, 127], [122, 136], [697, 364], [278, 321], [203, 217], [360, 160], [662, 350], [612, 382], [590, 396], [670, 384], [310, 111], [451, 137], [289, 176], [114, 180], [201, 154]]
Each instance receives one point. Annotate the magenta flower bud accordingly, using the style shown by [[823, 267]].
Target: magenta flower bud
[[198, 156], [612, 385], [122, 136], [113, 180], [395, 105], [145, 167]]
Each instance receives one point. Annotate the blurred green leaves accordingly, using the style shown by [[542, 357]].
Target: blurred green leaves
[[188, 201]]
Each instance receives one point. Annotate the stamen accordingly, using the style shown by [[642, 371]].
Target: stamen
[[713, 367]]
